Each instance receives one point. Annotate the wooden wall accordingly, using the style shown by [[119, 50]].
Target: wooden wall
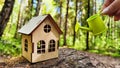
[[27, 55], [38, 35]]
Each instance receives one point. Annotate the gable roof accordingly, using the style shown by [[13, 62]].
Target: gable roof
[[35, 22]]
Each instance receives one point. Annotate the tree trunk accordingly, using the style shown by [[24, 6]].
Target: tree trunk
[[87, 35], [95, 6], [108, 31], [60, 13], [74, 35], [31, 7], [37, 8], [28, 11], [18, 21], [5, 14], [66, 16], [10, 26]]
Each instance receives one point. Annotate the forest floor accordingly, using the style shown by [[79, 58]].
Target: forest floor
[[68, 58]]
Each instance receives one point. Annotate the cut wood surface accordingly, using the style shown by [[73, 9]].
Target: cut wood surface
[[68, 58]]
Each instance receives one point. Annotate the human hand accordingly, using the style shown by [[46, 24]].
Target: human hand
[[111, 8]]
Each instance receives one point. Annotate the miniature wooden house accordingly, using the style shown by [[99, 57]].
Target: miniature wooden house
[[40, 37]]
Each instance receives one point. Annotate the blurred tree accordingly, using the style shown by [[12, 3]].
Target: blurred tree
[[65, 28], [75, 20], [28, 12], [95, 6], [18, 21], [1, 4], [5, 14], [38, 7], [58, 4], [60, 13], [87, 35]]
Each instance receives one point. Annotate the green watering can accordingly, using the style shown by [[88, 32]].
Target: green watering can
[[96, 25]]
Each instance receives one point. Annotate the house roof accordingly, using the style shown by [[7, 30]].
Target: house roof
[[35, 22]]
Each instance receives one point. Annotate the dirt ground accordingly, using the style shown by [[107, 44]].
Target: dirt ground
[[68, 58]]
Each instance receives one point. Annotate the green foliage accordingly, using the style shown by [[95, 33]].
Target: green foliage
[[77, 26], [61, 40], [10, 46], [1, 4]]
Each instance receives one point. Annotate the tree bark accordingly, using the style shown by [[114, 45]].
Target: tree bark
[[31, 7], [66, 16], [5, 14], [60, 13], [95, 6], [28, 11], [18, 21], [87, 35], [37, 8], [74, 35]]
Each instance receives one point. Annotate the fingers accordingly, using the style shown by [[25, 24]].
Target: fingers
[[117, 16], [107, 3], [112, 8], [118, 12]]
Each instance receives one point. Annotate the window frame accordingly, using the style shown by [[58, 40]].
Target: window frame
[[51, 47], [47, 28], [26, 45], [41, 47]]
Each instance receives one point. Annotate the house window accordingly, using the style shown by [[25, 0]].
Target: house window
[[47, 28], [41, 47], [51, 46], [26, 45]]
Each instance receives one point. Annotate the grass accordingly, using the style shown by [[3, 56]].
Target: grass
[[10, 46]]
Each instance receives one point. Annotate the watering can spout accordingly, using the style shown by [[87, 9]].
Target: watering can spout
[[85, 28], [78, 26]]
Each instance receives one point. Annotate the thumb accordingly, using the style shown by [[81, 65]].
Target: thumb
[[111, 9], [106, 3]]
